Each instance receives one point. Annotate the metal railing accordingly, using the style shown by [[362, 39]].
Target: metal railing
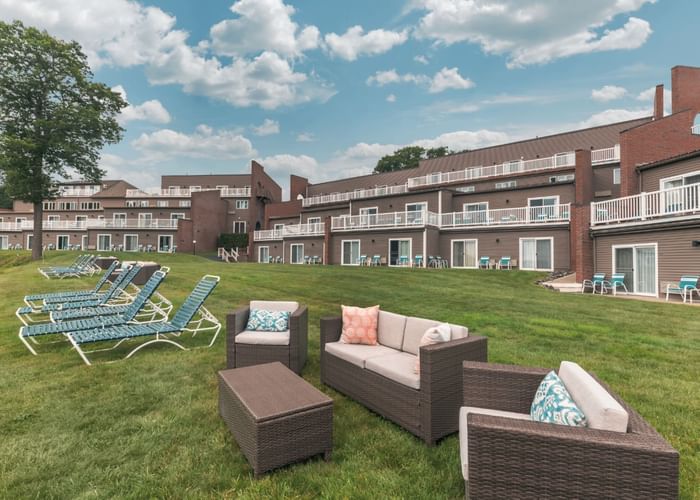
[[70, 191], [508, 216], [695, 129], [267, 234], [321, 199], [92, 224], [418, 218], [678, 201], [605, 155], [186, 192], [290, 231]]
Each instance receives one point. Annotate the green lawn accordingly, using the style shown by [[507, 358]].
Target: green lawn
[[149, 427]]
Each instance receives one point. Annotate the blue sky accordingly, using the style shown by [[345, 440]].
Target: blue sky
[[323, 89]]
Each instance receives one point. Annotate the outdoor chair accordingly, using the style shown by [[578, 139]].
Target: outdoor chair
[[404, 260], [505, 454], [504, 263], [376, 260], [78, 267], [484, 263], [593, 283], [362, 260], [617, 281], [191, 317], [685, 288], [102, 317], [418, 261], [307, 259], [279, 259], [246, 348]]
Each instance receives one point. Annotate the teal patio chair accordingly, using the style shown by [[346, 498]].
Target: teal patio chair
[[183, 321], [362, 260], [404, 260], [418, 261], [686, 287], [484, 263], [595, 282], [376, 260], [616, 281], [504, 263]]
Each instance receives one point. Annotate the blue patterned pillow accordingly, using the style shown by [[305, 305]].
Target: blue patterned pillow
[[554, 405], [260, 320]]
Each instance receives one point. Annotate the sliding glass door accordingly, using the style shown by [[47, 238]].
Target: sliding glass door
[[536, 254], [399, 252], [464, 253], [638, 263]]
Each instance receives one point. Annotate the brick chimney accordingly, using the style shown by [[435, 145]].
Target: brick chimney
[[659, 102], [297, 186], [685, 82]]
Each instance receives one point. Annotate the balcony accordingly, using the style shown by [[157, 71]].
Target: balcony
[[267, 235], [357, 194], [74, 191], [551, 214], [606, 155], [291, 231], [385, 220], [654, 206], [695, 129], [187, 192], [70, 225]]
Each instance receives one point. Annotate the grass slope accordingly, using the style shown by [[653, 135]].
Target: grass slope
[[149, 427]]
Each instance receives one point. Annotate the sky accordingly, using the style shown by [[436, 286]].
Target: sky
[[323, 89]]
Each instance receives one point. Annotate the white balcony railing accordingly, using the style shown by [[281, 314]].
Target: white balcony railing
[[606, 155], [508, 216], [11, 226], [658, 204], [353, 195], [695, 129], [92, 224], [70, 191], [386, 220], [267, 235], [186, 192], [291, 231]]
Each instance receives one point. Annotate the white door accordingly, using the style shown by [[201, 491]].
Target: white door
[[297, 251], [62, 242], [145, 220], [638, 263], [104, 242], [536, 254], [119, 220], [399, 252], [4, 242], [131, 242], [264, 255], [30, 240], [165, 243], [464, 253], [351, 253], [84, 242]]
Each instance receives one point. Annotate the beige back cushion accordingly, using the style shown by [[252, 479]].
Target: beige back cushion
[[459, 331], [601, 409], [390, 329], [415, 328], [274, 305]]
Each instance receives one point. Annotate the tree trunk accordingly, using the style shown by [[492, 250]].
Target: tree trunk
[[37, 241]]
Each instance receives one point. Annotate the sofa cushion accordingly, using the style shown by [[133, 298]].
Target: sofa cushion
[[274, 305], [260, 320], [463, 413], [397, 367], [390, 329], [359, 325], [357, 354], [263, 338], [433, 335], [601, 409], [459, 332], [415, 328], [553, 404]]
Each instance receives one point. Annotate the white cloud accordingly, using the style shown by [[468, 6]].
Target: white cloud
[[119, 168], [391, 98], [355, 42], [267, 127], [533, 31], [608, 93], [445, 79], [124, 33], [285, 164], [465, 139], [262, 25], [150, 111], [421, 59], [204, 143], [613, 116], [649, 94], [306, 137]]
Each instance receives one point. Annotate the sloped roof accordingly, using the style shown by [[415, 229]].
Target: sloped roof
[[604, 136], [114, 189]]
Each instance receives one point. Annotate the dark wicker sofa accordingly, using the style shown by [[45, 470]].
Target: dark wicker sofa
[[430, 412], [512, 458], [292, 354]]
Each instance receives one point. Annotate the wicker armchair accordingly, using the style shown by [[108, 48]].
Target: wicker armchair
[[244, 349], [509, 458]]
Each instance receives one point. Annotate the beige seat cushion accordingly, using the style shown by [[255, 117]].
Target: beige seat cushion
[[274, 305], [601, 409], [397, 367], [357, 354], [263, 338], [464, 411], [390, 329], [415, 328]]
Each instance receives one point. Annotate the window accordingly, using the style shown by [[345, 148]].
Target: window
[[177, 216], [297, 253], [119, 220], [681, 180], [400, 252], [368, 215], [84, 242], [675, 198], [239, 226], [638, 263], [185, 204], [62, 242], [104, 242], [543, 208], [19, 220], [68, 205], [264, 255], [350, 253], [30, 240], [466, 189], [90, 205], [476, 207], [369, 211], [536, 254], [4, 242], [476, 213], [278, 227], [131, 242], [132, 203], [241, 204], [195, 189], [165, 243], [81, 220], [313, 220], [616, 175], [53, 218], [100, 217], [221, 187], [506, 184], [145, 220], [163, 203], [464, 253], [49, 205], [511, 166], [415, 212]]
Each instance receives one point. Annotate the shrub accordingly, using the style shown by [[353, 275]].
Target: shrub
[[233, 240]]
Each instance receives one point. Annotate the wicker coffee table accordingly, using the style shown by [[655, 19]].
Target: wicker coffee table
[[276, 416]]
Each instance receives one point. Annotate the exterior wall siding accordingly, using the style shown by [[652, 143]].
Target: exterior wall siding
[[375, 242], [514, 198], [651, 178]]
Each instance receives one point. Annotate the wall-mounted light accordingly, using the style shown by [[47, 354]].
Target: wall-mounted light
[[696, 243], [498, 240], [372, 241]]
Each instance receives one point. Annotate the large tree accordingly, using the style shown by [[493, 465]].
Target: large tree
[[408, 157], [54, 119]]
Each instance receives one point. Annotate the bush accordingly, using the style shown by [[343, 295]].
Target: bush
[[233, 240]]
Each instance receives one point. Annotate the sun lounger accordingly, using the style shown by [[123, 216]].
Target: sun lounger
[[34, 300]]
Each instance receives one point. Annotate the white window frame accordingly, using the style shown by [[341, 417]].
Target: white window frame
[[158, 243], [291, 253], [313, 220], [84, 242], [242, 204], [365, 211], [423, 203], [553, 197], [177, 216], [146, 216], [137, 242], [278, 227], [465, 206], [120, 219], [506, 185], [266, 261], [67, 237], [617, 176], [162, 203], [109, 246], [410, 251], [30, 241], [53, 218], [633, 246], [342, 252], [19, 220], [675, 178], [476, 253], [185, 203], [520, 253], [81, 218], [245, 226], [195, 189], [4, 242]]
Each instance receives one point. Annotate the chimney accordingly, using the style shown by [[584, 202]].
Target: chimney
[[685, 88], [659, 102]]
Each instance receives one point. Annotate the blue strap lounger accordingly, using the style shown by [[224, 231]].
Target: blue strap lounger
[[33, 300], [131, 313], [83, 265], [183, 321]]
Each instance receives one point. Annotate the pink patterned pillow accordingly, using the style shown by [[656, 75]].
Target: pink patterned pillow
[[360, 325]]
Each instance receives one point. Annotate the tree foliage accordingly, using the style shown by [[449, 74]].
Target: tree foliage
[[408, 157], [54, 119]]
